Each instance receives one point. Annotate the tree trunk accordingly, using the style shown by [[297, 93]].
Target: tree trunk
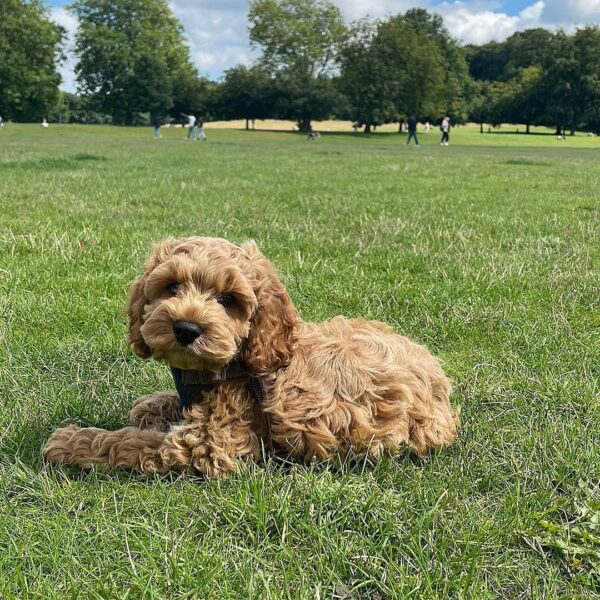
[[304, 125], [527, 128], [247, 124], [558, 130], [367, 128], [401, 126], [481, 127], [572, 132]]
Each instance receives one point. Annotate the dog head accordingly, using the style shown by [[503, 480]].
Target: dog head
[[202, 302]]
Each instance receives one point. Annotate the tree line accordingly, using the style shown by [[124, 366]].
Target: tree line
[[133, 65]]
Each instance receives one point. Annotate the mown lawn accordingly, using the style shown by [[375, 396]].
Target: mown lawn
[[487, 251]]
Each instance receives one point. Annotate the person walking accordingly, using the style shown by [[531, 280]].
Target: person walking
[[191, 125], [445, 127], [412, 130], [156, 123], [201, 134]]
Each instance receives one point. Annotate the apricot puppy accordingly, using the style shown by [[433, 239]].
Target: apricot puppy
[[249, 372]]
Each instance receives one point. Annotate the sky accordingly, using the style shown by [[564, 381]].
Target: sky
[[218, 37]]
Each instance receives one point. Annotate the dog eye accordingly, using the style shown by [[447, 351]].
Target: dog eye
[[226, 300], [173, 288]]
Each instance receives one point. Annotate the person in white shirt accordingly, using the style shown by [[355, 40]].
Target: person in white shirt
[[445, 127], [191, 126]]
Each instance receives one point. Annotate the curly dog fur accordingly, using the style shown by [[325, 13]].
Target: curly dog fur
[[344, 386]]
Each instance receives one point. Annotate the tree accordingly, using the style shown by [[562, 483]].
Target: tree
[[77, 109], [363, 77], [303, 99], [481, 108], [526, 49], [300, 41], [516, 72], [389, 72], [587, 53], [525, 101], [560, 85], [414, 73], [571, 83], [245, 94], [195, 95], [457, 85], [487, 62], [132, 56], [30, 50]]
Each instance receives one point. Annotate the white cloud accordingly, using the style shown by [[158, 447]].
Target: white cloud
[[217, 33], [478, 22], [356, 9], [533, 12], [67, 69]]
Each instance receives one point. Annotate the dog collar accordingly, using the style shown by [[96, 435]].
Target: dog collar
[[191, 384]]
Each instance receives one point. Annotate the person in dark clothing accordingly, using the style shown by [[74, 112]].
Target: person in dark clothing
[[412, 130], [200, 133], [156, 123]]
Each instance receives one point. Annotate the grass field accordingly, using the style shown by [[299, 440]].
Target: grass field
[[487, 251]]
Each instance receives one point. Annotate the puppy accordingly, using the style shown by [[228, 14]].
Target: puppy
[[250, 373]]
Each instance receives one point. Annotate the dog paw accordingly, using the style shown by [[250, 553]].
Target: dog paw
[[214, 465], [59, 448], [152, 464], [156, 411]]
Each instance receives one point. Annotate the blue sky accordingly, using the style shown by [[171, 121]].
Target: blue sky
[[218, 39]]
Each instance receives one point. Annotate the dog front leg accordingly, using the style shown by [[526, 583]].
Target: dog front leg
[[128, 448], [155, 411], [214, 436]]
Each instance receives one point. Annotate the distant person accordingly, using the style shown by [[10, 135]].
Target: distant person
[[200, 134], [191, 125], [445, 128], [156, 123], [412, 130], [44, 122], [427, 127]]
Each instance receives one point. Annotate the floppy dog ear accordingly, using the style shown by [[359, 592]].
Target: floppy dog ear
[[135, 312], [138, 300], [269, 344]]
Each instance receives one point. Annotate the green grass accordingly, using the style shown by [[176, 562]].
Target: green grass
[[487, 251]]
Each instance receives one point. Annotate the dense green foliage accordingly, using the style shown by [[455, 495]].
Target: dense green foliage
[[300, 42], [132, 57], [389, 72], [485, 251], [30, 48], [537, 77]]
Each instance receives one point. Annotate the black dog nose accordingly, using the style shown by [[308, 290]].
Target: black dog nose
[[186, 332]]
